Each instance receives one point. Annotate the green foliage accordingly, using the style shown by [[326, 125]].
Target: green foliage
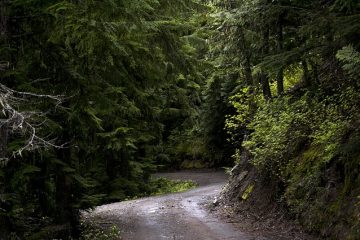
[[268, 142], [160, 82], [351, 59], [92, 231], [295, 68], [164, 186], [247, 192], [308, 146], [130, 74], [194, 164]]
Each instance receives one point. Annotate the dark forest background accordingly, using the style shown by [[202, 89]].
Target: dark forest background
[[97, 95]]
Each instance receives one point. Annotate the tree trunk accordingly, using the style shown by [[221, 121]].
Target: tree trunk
[[306, 76], [66, 215], [280, 46], [245, 55], [3, 140], [3, 20], [4, 224], [280, 82], [63, 191], [264, 79], [315, 75]]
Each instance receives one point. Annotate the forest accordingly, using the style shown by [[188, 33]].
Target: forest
[[96, 95]]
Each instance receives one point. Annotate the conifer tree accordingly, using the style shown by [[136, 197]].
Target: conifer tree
[[115, 62]]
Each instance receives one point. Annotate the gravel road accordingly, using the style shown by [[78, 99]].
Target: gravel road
[[172, 216]]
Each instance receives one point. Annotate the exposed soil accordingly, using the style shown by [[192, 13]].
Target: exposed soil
[[275, 224], [183, 215]]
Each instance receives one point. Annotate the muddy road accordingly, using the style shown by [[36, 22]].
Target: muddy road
[[172, 216]]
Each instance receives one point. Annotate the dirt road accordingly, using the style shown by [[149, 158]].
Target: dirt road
[[173, 216]]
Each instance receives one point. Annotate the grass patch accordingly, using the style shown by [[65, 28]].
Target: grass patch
[[162, 185], [91, 231]]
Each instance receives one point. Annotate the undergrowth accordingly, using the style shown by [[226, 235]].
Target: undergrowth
[[92, 231], [162, 185]]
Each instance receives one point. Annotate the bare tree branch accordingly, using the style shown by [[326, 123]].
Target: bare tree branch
[[24, 123]]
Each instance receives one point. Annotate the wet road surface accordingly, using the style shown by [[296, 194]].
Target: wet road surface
[[172, 216]]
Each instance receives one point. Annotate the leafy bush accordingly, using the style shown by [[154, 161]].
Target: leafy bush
[[310, 146], [277, 128]]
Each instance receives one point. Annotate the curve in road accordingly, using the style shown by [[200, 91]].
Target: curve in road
[[179, 216]]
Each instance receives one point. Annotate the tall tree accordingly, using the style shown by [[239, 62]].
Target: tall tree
[[114, 61]]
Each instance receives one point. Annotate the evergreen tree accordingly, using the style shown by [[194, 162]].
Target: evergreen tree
[[116, 62]]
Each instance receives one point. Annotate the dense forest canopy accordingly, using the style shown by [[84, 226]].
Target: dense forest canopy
[[97, 95]]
